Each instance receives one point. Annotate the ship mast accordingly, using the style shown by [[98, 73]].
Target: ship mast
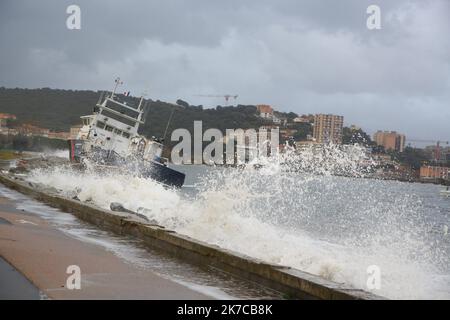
[[118, 82]]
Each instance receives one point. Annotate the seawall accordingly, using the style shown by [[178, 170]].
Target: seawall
[[294, 283]]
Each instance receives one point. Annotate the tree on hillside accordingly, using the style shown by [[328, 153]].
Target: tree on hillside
[[413, 157], [303, 130], [356, 136], [182, 103]]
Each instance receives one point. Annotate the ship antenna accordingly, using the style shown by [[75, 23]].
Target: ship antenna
[[118, 82]]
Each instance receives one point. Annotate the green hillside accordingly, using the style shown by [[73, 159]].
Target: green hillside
[[59, 109]]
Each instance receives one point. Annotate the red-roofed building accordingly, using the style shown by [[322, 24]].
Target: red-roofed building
[[265, 111], [7, 116]]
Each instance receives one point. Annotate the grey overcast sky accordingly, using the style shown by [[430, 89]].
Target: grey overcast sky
[[311, 56]]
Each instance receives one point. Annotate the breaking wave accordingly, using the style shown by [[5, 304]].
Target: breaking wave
[[294, 211]]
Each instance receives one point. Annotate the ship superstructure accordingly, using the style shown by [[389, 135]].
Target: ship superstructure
[[109, 136]]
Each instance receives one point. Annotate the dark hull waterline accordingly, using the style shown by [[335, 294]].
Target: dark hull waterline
[[146, 169]]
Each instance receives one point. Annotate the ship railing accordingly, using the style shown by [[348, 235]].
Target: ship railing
[[121, 114], [137, 110]]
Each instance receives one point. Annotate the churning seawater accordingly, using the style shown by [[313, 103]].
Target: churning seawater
[[332, 226]]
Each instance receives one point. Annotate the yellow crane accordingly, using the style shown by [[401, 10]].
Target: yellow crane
[[226, 96]]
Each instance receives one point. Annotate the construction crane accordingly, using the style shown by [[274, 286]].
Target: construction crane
[[226, 96], [437, 149]]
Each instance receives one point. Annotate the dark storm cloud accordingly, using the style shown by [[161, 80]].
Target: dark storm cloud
[[304, 56]]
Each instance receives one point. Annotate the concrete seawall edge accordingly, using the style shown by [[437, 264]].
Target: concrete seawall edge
[[294, 283]]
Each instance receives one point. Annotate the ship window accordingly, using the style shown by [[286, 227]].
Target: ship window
[[126, 134], [100, 125], [119, 132], [109, 128]]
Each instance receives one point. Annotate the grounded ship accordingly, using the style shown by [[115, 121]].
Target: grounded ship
[[109, 138]]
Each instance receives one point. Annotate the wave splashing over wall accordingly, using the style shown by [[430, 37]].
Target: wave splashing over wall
[[294, 211]]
